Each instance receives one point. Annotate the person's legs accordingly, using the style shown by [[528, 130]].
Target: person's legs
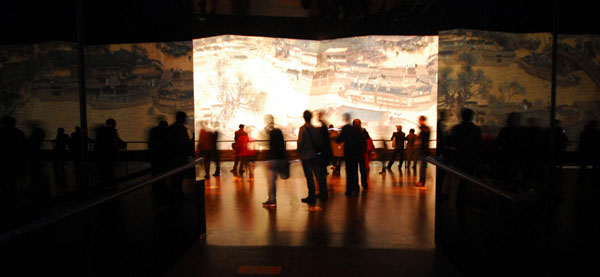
[[217, 159], [310, 183], [351, 176], [206, 156], [274, 166], [235, 164], [363, 173], [393, 158], [400, 157], [243, 165], [422, 171], [321, 179]]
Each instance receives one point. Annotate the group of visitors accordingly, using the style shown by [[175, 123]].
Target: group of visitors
[[319, 146]]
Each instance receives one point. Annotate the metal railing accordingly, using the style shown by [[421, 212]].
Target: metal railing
[[70, 211], [472, 179]]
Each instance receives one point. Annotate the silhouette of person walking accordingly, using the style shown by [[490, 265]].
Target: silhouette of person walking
[[398, 139], [276, 156]]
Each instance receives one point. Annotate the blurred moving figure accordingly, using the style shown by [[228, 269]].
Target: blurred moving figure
[[337, 150], [238, 137], [398, 139], [424, 135], [205, 148], [276, 155], [325, 148]]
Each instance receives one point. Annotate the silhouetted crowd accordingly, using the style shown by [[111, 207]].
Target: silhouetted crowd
[[519, 152]]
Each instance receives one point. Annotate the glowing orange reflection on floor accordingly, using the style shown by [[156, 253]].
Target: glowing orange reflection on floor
[[392, 213]]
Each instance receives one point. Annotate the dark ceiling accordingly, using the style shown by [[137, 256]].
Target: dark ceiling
[[120, 21]]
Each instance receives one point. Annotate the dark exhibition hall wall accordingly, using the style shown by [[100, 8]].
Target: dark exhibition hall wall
[[497, 73], [136, 84]]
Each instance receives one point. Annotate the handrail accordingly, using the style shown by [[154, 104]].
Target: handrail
[[470, 178], [9, 235]]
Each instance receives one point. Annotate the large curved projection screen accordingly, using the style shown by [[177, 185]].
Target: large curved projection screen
[[382, 80]]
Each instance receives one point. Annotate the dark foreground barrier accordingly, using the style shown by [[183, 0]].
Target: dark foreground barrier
[[140, 229]]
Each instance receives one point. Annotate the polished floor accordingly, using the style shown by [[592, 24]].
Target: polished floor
[[388, 228], [391, 213]]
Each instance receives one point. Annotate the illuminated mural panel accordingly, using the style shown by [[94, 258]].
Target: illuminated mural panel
[[382, 80]]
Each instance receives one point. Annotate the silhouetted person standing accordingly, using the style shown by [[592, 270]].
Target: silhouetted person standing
[[424, 136], [216, 156], [12, 146], [309, 142], [510, 148], [181, 149], [337, 150], [362, 162], [237, 149], [353, 143], [38, 189], [108, 144], [589, 146], [60, 151], [398, 139], [561, 141], [325, 148], [411, 149], [465, 141], [158, 148], [75, 142]]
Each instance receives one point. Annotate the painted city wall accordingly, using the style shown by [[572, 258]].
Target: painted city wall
[[498, 73], [136, 84]]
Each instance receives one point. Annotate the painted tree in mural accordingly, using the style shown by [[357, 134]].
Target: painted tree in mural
[[469, 83], [507, 91], [235, 92]]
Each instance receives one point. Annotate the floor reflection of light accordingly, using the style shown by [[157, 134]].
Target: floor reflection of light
[[314, 208]]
